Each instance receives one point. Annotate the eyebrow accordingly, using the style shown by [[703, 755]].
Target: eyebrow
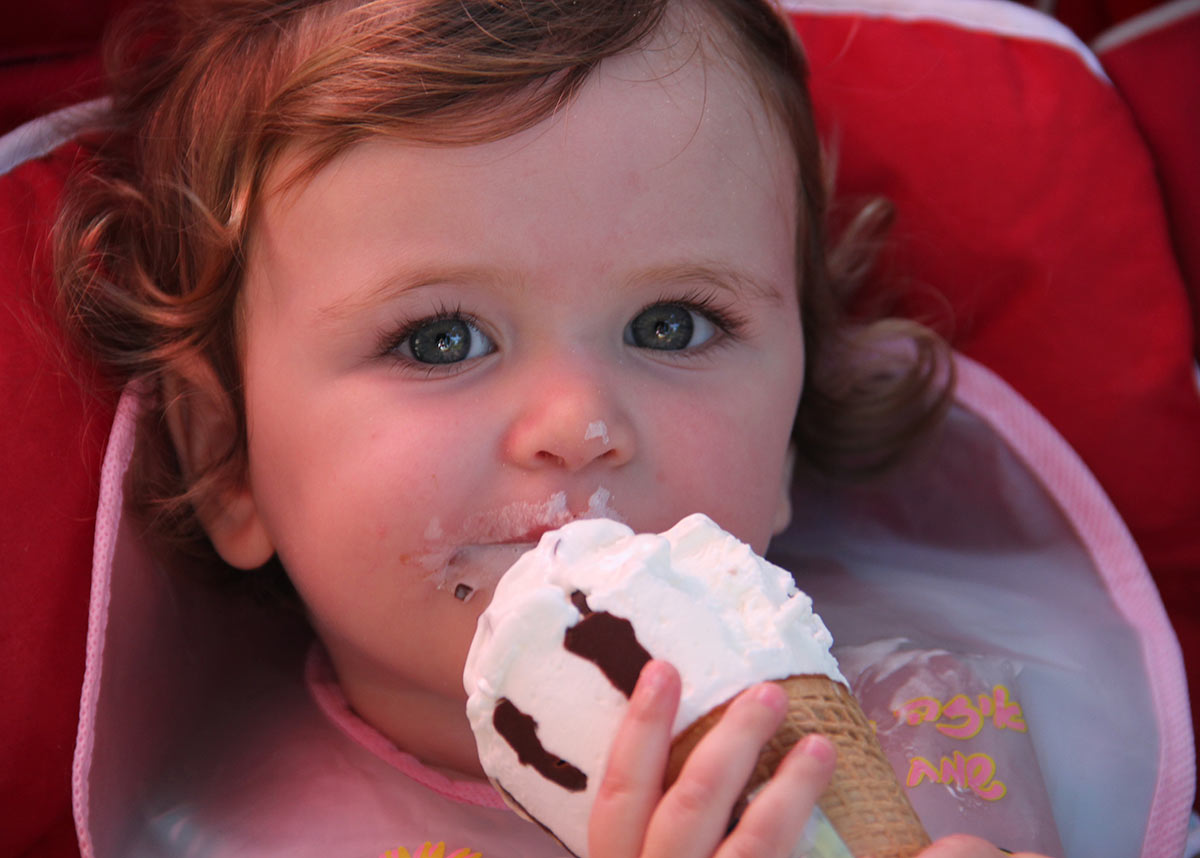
[[726, 278], [723, 277], [409, 281]]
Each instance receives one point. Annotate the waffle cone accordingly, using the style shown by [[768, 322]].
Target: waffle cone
[[864, 802]]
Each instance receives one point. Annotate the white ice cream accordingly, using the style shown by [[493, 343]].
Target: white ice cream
[[696, 596]]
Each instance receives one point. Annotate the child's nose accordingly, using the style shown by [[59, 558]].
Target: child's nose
[[569, 420]]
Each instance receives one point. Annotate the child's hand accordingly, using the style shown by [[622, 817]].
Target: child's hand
[[633, 818]]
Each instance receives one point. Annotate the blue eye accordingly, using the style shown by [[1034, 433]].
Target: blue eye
[[669, 327], [443, 340]]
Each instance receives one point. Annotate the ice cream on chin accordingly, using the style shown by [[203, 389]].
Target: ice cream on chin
[[571, 624]]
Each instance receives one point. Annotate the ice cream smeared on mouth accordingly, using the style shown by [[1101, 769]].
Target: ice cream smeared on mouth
[[557, 652], [474, 555]]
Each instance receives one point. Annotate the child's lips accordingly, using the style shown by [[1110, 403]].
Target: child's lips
[[529, 537], [493, 552]]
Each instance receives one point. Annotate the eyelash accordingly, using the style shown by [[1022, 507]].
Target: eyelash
[[392, 338], [731, 324], [729, 321]]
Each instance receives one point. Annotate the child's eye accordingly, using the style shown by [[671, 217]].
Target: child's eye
[[444, 339], [669, 327]]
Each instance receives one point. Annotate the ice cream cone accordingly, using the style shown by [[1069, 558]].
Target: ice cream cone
[[864, 802]]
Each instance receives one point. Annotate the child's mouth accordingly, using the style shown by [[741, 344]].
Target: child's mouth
[[490, 543], [475, 568]]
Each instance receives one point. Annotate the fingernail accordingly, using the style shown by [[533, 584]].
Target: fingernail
[[653, 681], [818, 747], [770, 695]]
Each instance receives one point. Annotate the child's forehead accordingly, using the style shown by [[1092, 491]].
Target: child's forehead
[[685, 78], [663, 157]]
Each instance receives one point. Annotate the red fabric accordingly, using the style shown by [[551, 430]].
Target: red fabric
[[51, 442], [1158, 75], [1026, 197]]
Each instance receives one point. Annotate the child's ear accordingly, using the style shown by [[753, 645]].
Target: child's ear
[[783, 512], [202, 429], [236, 530]]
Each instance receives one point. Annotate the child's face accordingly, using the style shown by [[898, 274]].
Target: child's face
[[450, 350]]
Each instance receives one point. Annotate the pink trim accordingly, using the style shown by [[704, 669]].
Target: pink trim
[[108, 516], [1105, 537], [324, 688]]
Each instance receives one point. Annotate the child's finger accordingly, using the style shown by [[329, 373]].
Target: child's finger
[[775, 819], [633, 778], [692, 817]]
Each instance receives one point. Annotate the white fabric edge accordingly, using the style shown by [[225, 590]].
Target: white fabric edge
[[1088, 509], [1143, 24], [999, 17], [43, 135]]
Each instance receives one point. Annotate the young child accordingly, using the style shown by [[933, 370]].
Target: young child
[[401, 284]]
